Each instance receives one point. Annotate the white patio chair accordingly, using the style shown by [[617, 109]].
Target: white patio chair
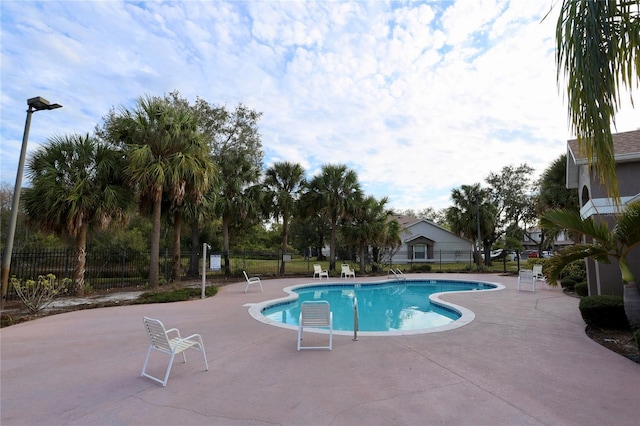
[[315, 314], [252, 280], [317, 270], [161, 342], [537, 272], [525, 276], [347, 271]]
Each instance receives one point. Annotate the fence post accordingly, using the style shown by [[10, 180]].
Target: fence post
[[66, 263], [123, 265]]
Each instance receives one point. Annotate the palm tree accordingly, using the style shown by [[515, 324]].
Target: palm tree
[[333, 193], [605, 245], [283, 181], [472, 215], [368, 226], [77, 183], [598, 48], [388, 244], [165, 156]]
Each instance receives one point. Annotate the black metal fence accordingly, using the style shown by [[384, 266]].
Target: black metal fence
[[106, 270]]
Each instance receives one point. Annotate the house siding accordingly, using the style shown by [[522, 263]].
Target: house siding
[[603, 278], [442, 245]]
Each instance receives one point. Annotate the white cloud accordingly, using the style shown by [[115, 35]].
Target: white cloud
[[417, 97]]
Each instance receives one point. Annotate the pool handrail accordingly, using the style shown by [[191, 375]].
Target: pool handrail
[[355, 319], [398, 274]]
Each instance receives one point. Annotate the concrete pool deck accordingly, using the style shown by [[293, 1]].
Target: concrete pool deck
[[525, 359]]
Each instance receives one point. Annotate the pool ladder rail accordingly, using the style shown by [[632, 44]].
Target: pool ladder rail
[[355, 319], [397, 273]]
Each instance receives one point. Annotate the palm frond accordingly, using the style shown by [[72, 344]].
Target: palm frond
[[561, 219], [556, 263]]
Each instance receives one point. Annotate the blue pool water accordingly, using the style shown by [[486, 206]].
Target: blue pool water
[[387, 306]]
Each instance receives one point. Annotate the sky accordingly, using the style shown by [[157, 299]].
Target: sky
[[417, 97]]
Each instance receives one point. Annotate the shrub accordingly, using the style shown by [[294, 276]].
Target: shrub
[[421, 268], [576, 278], [36, 295], [604, 312], [636, 335], [536, 261], [577, 269], [179, 295], [568, 283], [581, 289]]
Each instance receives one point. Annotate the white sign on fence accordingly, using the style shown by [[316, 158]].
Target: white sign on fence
[[215, 262]]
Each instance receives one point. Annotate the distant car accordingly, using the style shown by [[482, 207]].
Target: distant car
[[532, 254], [500, 254]]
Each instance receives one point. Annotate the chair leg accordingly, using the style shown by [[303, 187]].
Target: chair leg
[[204, 355], [146, 361], [166, 376], [299, 336]]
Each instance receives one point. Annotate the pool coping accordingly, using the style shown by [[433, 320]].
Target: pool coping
[[466, 315]]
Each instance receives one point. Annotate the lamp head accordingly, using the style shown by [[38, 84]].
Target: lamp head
[[39, 103]]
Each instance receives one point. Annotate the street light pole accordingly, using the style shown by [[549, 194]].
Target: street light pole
[[479, 237], [35, 104]]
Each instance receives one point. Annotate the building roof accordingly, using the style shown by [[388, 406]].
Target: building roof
[[626, 148], [409, 221], [405, 220]]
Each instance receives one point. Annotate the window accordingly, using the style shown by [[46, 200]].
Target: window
[[420, 252]]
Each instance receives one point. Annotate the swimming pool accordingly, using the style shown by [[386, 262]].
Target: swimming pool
[[384, 308]]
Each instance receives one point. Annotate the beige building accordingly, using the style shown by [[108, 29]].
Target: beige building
[[606, 279]]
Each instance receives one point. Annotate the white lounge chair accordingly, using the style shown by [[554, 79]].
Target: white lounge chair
[[315, 314], [525, 276], [537, 272], [160, 341], [317, 270], [347, 271], [252, 280]]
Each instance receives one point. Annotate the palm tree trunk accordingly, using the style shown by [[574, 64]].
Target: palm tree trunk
[[631, 297], [195, 245], [285, 237], [154, 267], [376, 258], [175, 258], [362, 246], [81, 261], [332, 248], [225, 244]]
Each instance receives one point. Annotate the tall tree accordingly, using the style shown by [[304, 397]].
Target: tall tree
[[188, 190], [165, 155], [77, 183], [283, 182], [553, 192], [512, 194], [428, 213], [473, 215], [236, 147], [368, 226], [605, 245], [598, 52], [387, 246], [334, 194]]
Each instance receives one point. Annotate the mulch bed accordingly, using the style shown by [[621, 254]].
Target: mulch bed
[[619, 341]]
